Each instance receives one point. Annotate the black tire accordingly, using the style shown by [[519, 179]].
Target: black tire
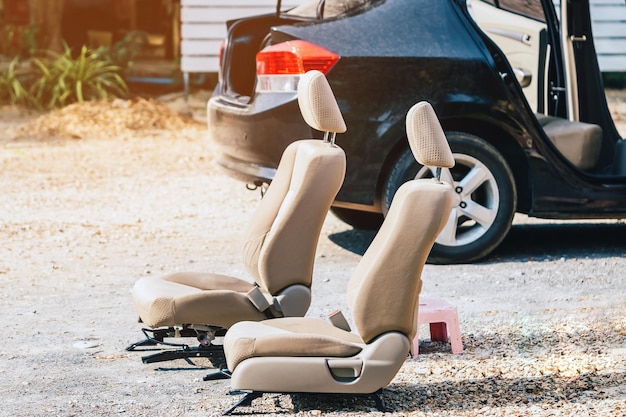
[[363, 220], [494, 198]]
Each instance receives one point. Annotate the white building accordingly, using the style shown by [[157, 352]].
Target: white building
[[203, 28], [609, 31]]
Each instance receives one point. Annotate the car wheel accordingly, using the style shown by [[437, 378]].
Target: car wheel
[[358, 219], [486, 194]]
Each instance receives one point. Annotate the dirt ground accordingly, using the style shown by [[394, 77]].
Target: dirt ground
[[94, 198]]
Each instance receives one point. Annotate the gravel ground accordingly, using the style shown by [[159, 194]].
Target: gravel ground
[[96, 197]]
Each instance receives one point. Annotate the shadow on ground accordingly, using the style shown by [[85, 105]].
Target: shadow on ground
[[546, 391], [562, 240], [529, 241]]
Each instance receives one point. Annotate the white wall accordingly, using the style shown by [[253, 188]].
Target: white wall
[[609, 31], [608, 22], [203, 27]]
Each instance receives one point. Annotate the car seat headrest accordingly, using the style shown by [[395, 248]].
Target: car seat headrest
[[318, 105], [426, 138]]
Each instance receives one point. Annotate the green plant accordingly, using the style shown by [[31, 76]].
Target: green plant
[[12, 89], [18, 41], [28, 40], [61, 79], [123, 52], [7, 36], [615, 80]]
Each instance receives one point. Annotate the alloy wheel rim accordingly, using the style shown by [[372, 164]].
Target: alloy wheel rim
[[478, 200]]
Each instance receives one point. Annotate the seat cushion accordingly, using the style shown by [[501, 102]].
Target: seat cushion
[[290, 336], [192, 298], [579, 142]]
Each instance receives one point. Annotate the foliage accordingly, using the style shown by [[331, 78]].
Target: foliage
[[12, 89], [123, 53], [615, 80], [18, 41], [58, 79], [61, 79]]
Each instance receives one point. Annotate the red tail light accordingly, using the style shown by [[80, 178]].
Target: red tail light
[[221, 52], [279, 66], [221, 58], [294, 57]]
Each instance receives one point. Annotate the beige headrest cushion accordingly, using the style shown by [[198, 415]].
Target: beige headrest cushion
[[318, 105], [426, 138]]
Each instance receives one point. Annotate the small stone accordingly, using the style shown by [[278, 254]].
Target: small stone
[[85, 344]]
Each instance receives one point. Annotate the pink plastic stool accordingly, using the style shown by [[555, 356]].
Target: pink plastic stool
[[443, 319]]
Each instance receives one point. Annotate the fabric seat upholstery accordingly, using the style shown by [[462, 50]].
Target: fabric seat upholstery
[[579, 142], [293, 336], [281, 240], [278, 251], [383, 296]]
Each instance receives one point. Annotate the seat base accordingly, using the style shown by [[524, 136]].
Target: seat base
[[214, 376], [159, 335], [215, 353], [246, 400], [205, 349]]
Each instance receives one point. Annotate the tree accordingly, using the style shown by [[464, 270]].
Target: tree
[[48, 15]]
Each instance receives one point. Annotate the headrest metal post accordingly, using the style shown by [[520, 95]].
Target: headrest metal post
[[438, 174], [330, 137]]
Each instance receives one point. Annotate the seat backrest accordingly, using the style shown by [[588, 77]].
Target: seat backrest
[[282, 237], [383, 293]]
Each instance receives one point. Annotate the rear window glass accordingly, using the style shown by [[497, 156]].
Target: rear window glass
[[331, 8]]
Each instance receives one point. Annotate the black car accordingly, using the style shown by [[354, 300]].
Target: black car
[[519, 95]]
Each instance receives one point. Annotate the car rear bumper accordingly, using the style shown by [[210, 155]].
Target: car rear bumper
[[244, 170], [251, 138]]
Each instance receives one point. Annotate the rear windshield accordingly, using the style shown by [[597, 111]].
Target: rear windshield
[[330, 8]]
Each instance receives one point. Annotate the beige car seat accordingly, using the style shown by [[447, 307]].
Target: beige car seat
[[278, 251], [580, 143], [313, 355]]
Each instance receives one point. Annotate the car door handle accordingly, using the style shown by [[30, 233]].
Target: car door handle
[[524, 76]]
